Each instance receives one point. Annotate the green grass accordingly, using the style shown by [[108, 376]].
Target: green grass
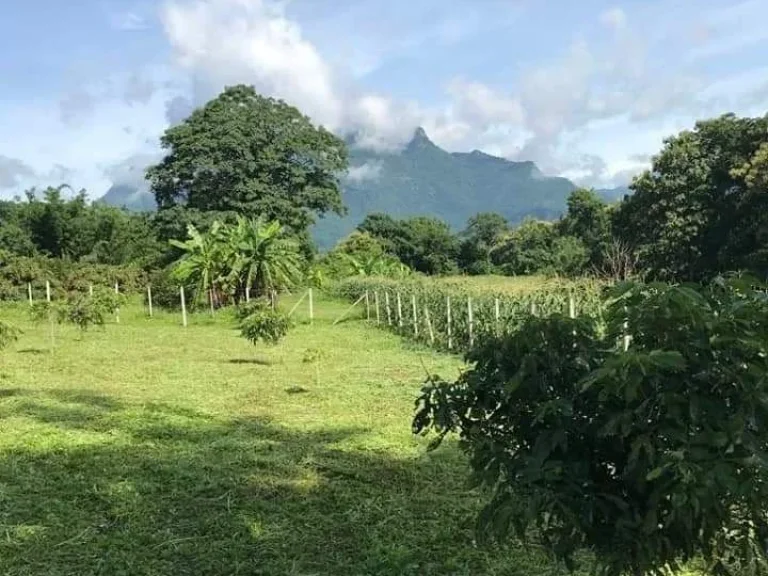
[[150, 449]]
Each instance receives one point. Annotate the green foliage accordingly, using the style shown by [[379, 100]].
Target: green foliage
[[701, 209], [482, 233], [649, 457], [589, 220], [433, 296], [254, 155], [41, 311], [8, 334], [82, 311], [422, 243], [258, 321]]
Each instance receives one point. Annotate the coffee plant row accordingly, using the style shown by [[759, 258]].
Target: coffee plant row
[[452, 317]]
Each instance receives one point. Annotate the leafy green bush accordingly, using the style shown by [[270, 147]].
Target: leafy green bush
[[257, 321], [650, 456], [82, 311]]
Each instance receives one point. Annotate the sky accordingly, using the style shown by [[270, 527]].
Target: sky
[[587, 89]]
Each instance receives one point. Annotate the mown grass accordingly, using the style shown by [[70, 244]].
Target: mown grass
[[150, 449]]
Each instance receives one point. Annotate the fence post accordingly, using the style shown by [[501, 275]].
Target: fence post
[[29, 292], [210, 299], [386, 303], [429, 325], [497, 313], [376, 302], [311, 308], [367, 307], [149, 299], [48, 291], [571, 306], [470, 321], [399, 311], [183, 307], [533, 308], [415, 316], [117, 310], [448, 319], [90, 290], [247, 293]]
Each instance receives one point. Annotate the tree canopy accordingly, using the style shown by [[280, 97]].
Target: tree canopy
[[253, 155]]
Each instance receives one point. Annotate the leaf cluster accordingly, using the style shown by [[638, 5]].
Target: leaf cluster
[[257, 321]]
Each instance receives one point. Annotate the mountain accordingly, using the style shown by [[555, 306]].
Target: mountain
[[425, 179], [613, 194]]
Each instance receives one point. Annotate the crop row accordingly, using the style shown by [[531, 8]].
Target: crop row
[[452, 317]]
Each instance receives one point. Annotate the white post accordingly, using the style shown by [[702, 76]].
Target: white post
[[497, 313], [48, 291], [247, 293], [183, 307], [376, 304], [90, 290], [117, 310], [429, 326], [29, 292], [389, 314], [210, 298], [571, 307], [533, 309], [367, 307], [415, 316], [470, 321], [149, 299], [311, 308], [399, 311], [448, 318]]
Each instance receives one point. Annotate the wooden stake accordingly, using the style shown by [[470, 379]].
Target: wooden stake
[[429, 326], [29, 292], [470, 321], [376, 302], [399, 311], [367, 307], [448, 318], [149, 299], [389, 314], [183, 307], [415, 316], [117, 310], [311, 308], [48, 291]]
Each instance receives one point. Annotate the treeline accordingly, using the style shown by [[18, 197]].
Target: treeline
[[699, 211], [580, 243]]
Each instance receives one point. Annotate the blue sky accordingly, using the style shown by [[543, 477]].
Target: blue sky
[[587, 89]]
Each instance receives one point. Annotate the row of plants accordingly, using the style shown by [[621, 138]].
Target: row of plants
[[423, 312], [18, 273]]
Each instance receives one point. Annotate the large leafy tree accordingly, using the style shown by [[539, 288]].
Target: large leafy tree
[[482, 233], [253, 155], [695, 213], [588, 219]]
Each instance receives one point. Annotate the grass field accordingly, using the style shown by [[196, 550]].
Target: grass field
[[150, 449]]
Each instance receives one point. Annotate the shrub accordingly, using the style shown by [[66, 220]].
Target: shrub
[[649, 457], [258, 321]]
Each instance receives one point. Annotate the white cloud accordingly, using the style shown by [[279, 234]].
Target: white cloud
[[614, 18], [367, 171], [128, 21], [13, 171]]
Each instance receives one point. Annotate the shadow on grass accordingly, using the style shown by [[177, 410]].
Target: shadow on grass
[[257, 361], [35, 351], [162, 490]]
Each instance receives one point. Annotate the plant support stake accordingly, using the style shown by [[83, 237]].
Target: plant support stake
[[470, 321], [415, 316], [448, 319], [48, 291], [183, 307], [311, 308], [367, 307], [117, 310], [399, 311], [149, 299], [29, 292]]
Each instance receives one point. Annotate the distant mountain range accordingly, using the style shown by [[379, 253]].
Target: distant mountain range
[[425, 179]]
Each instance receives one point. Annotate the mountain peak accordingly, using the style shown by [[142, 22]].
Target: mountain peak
[[420, 140]]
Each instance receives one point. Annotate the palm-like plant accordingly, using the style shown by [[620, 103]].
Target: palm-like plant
[[260, 257], [202, 262]]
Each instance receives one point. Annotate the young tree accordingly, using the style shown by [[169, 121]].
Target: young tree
[[253, 155], [203, 259], [649, 456]]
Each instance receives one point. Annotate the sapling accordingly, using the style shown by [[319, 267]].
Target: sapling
[[257, 321]]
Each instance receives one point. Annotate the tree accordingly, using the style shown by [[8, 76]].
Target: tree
[[253, 155], [693, 214], [203, 261], [423, 243], [588, 219], [482, 233], [260, 256], [648, 456]]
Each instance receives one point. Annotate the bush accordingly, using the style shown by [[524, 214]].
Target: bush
[[257, 321], [165, 291], [649, 457]]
